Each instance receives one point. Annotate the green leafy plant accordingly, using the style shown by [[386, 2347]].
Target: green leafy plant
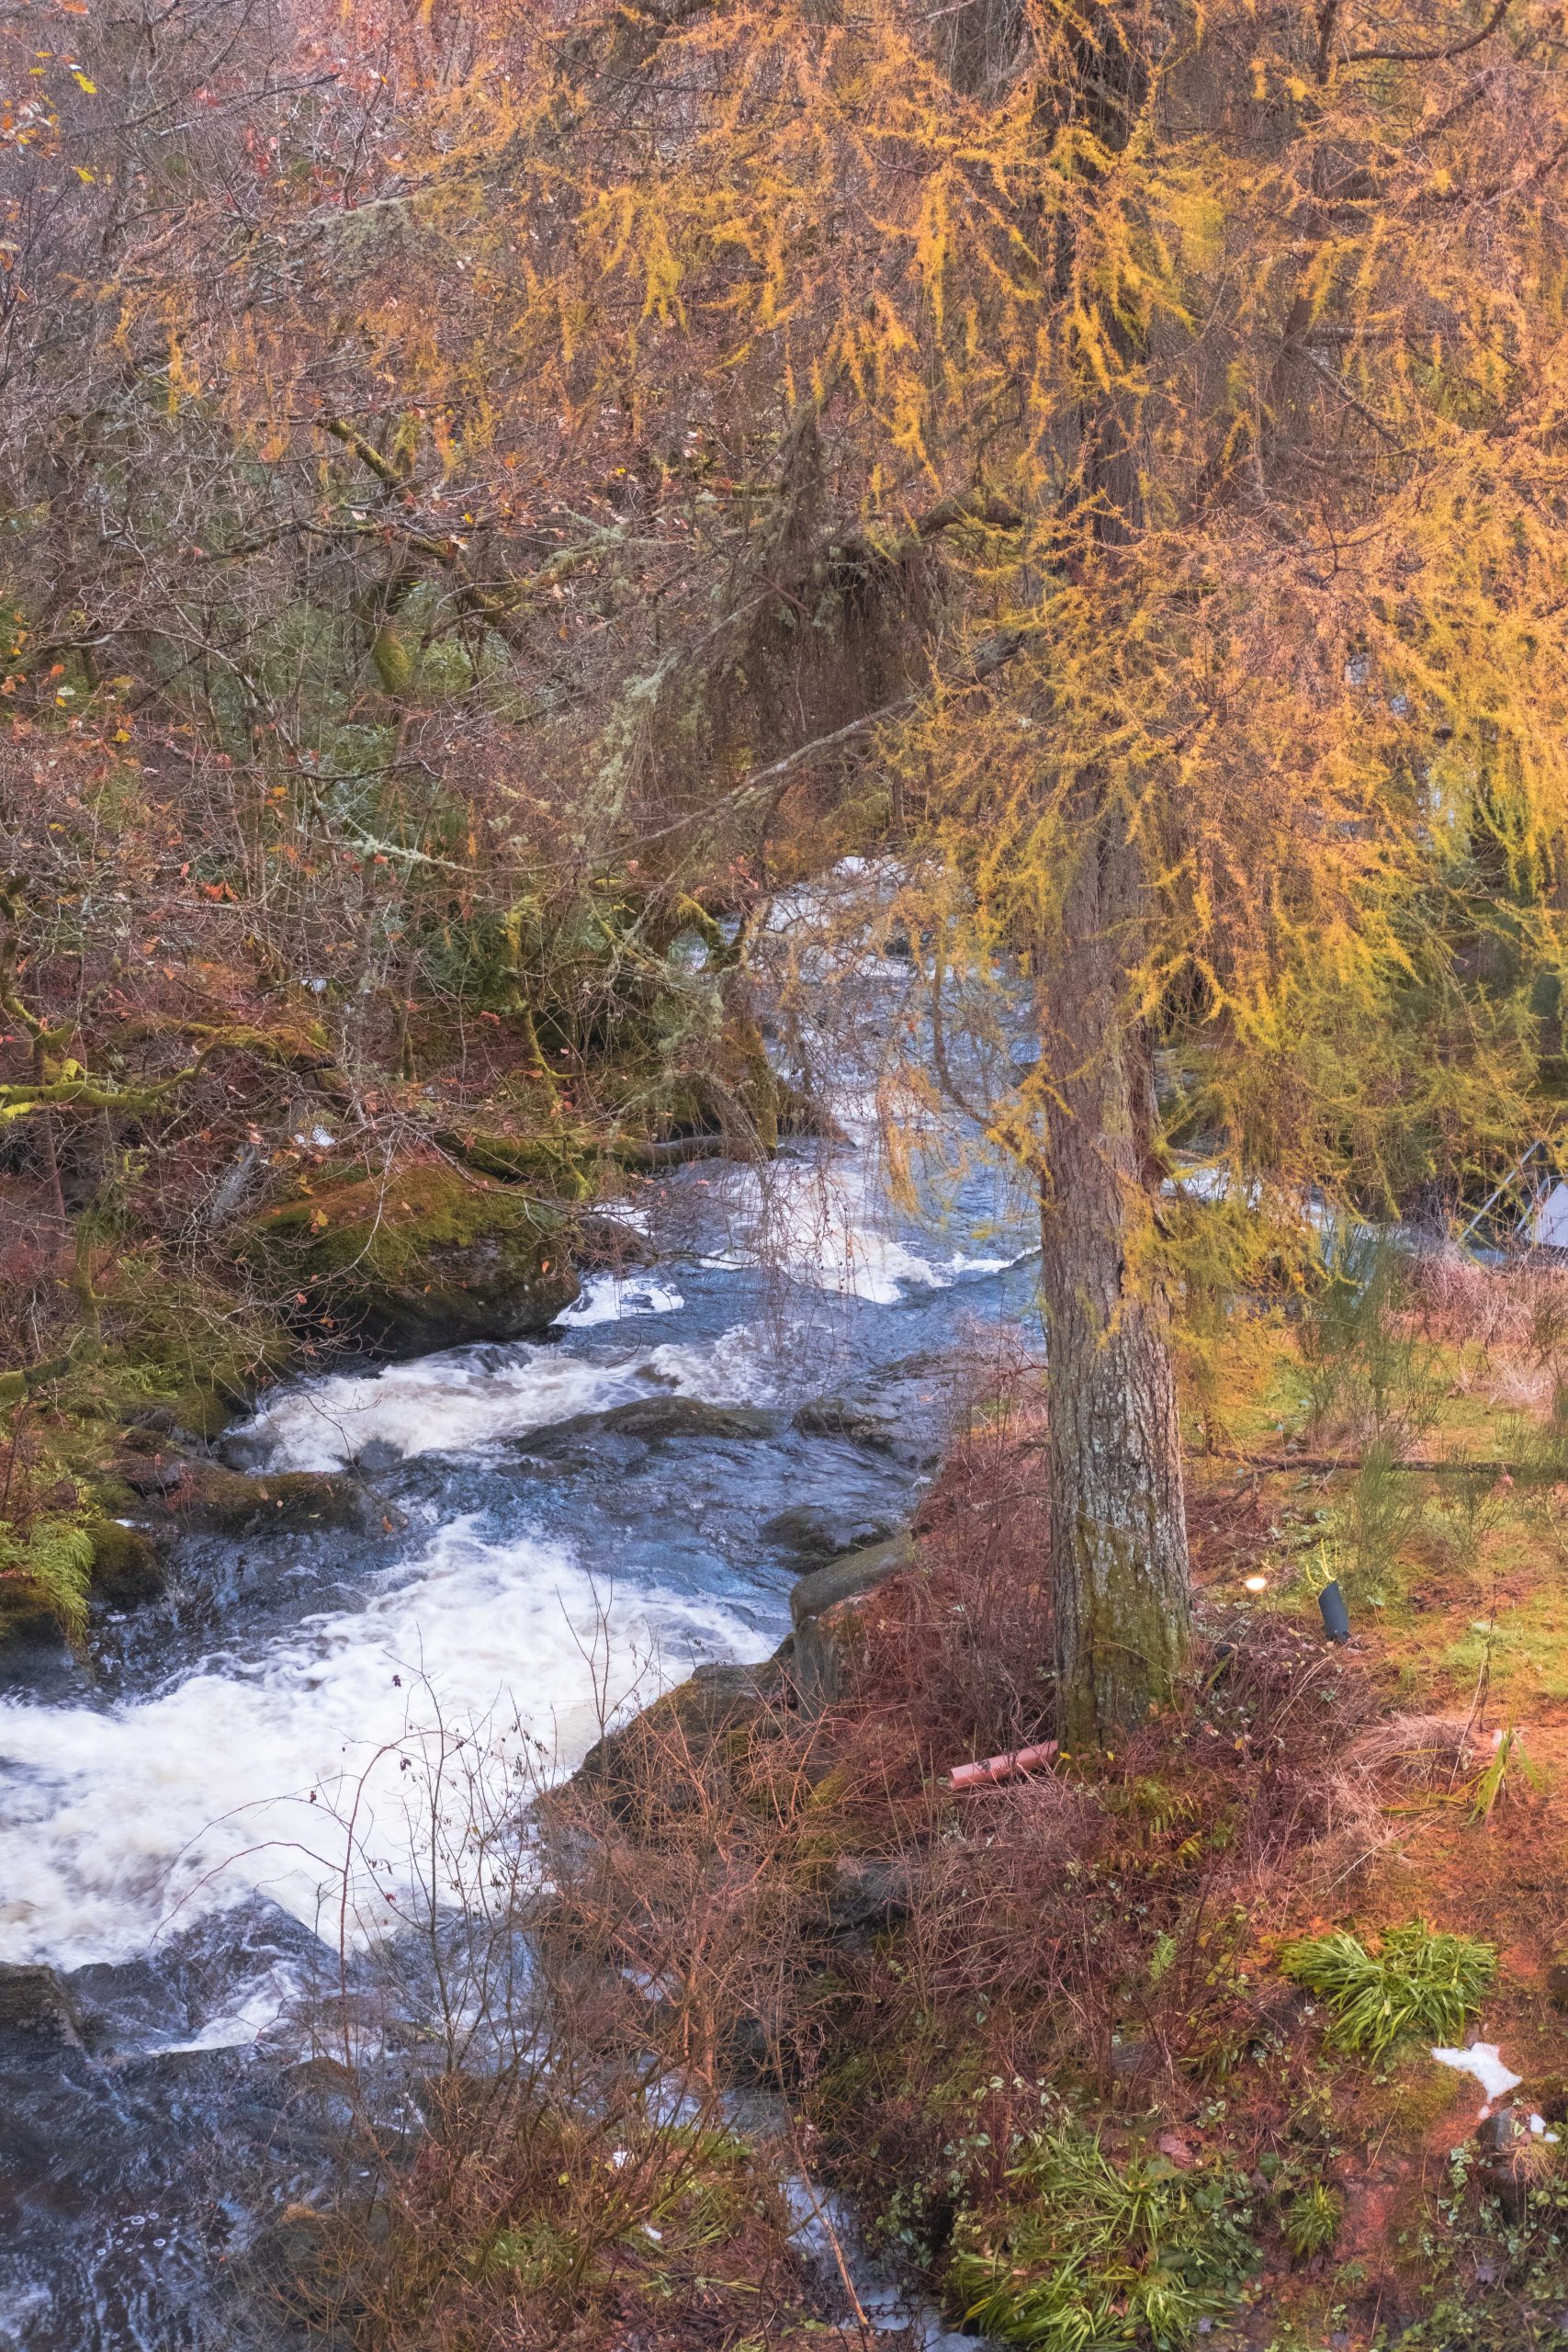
[[1507, 1762], [49, 1566], [1419, 1981], [1310, 2220], [1098, 2255]]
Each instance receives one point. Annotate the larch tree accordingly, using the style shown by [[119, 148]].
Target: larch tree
[[1116, 451], [1188, 382]]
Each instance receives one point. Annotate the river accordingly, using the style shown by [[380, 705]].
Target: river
[[171, 1809]]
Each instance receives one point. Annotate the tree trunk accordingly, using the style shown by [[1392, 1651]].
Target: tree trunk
[[1119, 1572]]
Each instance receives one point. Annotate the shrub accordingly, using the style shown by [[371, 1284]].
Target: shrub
[[1102, 2256], [1420, 1981]]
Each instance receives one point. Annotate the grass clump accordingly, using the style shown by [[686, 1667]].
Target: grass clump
[[1311, 2219], [1420, 1981], [1096, 2255]]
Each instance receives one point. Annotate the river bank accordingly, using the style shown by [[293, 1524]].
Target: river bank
[[1249, 2032]]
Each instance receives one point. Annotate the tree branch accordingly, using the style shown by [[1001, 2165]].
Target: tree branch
[[1429, 56]]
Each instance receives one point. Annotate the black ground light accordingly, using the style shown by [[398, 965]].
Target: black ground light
[[1336, 1616]]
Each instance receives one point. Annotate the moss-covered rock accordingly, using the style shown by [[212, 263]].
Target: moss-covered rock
[[127, 1570], [710, 1715], [849, 1578], [210, 1499], [419, 1259], [825, 1610]]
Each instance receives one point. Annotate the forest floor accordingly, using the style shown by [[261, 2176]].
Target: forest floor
[[1065, 2042]]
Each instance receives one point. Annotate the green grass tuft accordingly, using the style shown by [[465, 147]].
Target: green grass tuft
[[1310, 2221], [1099, 2256], [1420, 1981]]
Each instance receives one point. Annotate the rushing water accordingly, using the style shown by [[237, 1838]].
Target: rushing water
[[170, 1815]]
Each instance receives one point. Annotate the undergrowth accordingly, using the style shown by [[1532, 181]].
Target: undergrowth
[[1043, 2035], [1420, 1982], [1090, 2255]]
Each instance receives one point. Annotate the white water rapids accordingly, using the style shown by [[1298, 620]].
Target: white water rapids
[[120, 1822]]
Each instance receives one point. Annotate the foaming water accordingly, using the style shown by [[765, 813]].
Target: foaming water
[[472, 1398], [824, 1224], [125, 1821], [612, 1298]]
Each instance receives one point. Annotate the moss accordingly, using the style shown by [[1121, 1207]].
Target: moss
[[173, 1341], [226, 1502], [45, 1573], [126, 1568], [562, 1162], [417, 1258]]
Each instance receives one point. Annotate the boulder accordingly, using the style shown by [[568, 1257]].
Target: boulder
[[824, 1607], [862, 1423], [815, 1534], [714, 1706], [38, 2015], [651, 1419], [418, 1259], [654, 1417], [899, 1418], [848, 1577], [127, 1570], [213, 1501]]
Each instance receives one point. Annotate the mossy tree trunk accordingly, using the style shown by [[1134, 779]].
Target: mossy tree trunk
[[1120, 1570], [1122, 1579]]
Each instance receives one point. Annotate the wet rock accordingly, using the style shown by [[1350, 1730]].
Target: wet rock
[[652, 1420], [662, 1417], [898, 1418], [127, 1569], [124, 2004], [848, 1577], [38, 2015], [866, 1423], [419, 1259], [215, 1500], [380, 1454], [817, 1534]]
